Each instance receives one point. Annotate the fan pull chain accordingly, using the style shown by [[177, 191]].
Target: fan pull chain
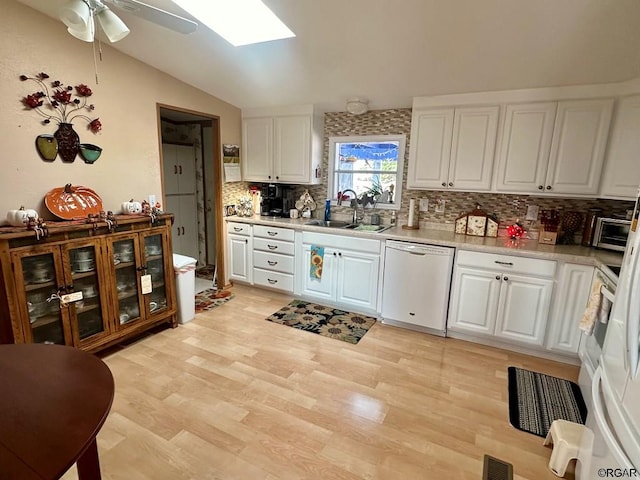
[[95, 62]]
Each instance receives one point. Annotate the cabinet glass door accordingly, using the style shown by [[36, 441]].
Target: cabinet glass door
[[126, 274], [84, 264], [156, 267], [38, 274]]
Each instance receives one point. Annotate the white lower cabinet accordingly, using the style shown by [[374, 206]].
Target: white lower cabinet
[[571, 296], [239, 249], [504, 296], [273, 257], [350, 271]]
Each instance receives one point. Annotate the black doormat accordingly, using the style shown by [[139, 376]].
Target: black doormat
[[536, 400]]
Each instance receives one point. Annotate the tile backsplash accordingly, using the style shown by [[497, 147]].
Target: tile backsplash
[[508, 208]]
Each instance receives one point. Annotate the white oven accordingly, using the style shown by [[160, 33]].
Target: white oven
[[591, 345]]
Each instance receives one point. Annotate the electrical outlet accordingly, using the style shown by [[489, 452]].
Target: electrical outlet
[[532, 212], [440, 205], [424, 204]]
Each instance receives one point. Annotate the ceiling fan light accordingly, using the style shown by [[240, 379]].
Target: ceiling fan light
[[86, 34], [111, 25], [75, 15]]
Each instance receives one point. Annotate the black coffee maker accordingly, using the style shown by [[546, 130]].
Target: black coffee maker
[[273, 200]]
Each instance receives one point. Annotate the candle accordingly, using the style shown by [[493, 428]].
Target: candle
[[412, 209]]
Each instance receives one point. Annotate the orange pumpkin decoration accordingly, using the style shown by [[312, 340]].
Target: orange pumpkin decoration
[[73, 202]]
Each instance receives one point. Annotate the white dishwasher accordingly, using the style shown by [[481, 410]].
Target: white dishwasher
[[415, 291]]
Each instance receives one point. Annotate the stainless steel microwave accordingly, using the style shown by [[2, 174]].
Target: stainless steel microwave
[[611, 233]]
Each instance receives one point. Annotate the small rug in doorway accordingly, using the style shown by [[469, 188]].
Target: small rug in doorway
[[206, 272], [211, 298], [536, 400], [325, 321]]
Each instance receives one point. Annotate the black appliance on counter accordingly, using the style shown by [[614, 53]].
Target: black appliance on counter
[[276, 200]]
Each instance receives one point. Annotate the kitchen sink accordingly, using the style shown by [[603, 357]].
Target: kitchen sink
[[368, 228], [329, 223], [360, 227]]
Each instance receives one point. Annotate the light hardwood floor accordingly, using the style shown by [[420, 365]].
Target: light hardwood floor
[[232, 396]]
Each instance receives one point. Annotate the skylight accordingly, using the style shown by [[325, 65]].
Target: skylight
[[239, 22]]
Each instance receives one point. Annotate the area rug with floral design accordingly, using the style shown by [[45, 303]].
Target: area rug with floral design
[[206, 272], [211, 298], [325, 321]]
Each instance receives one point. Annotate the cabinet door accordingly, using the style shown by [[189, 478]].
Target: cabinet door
[[86, 265], [571, 296], [292, 149], [430, 148], [185, 225], [39, 277], [474, 302], [239, 248], [524, 308], [622, 169], [323, 288], [577, 150], [257, 151], [128, 262], [357, 280], [159, 264], [186, 163], [525, 147], [169, 169], [472, 148]]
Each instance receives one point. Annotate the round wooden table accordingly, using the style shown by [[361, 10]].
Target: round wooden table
[[53, 402]]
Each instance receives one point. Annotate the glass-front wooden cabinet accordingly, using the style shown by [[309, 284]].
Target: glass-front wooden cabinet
[[87, 286]]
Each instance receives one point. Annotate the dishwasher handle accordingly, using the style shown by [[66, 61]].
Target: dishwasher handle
[[419, 249]]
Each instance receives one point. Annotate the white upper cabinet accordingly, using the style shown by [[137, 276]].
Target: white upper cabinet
[[257, 149], [577, 150], [281, 145], [554, 147], [621, 176], [525, 146], [452, 148]]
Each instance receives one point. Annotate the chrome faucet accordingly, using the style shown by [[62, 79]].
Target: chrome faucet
[[354, 204]]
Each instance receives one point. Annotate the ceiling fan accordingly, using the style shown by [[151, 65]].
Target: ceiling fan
[[82, 16]]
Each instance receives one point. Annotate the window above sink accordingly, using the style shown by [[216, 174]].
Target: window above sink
[[371, 166]]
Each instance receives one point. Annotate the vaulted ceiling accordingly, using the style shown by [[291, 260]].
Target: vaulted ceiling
[[389, 51]]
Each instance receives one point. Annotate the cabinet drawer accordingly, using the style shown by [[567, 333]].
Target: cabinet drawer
[[239, 228], [273, 261], [274, 246], [507, 263], [281, 281], [263, 231]]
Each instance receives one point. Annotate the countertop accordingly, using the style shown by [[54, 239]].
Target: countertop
[[501, 245]]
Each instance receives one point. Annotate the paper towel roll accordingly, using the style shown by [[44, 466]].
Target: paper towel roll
[[412, 209]]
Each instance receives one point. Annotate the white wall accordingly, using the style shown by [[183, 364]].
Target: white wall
[[125, 101]]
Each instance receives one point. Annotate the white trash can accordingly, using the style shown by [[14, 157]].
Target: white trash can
[[185, 271]]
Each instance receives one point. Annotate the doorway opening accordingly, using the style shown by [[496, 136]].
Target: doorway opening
[[192, 185]]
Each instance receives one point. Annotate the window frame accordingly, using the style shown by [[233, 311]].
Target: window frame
[[402, 144]]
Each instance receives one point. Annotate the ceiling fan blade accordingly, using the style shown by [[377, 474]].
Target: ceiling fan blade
[[155, 15]]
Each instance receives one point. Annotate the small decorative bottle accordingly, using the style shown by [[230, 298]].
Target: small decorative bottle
[[327, 210], [393, 217]]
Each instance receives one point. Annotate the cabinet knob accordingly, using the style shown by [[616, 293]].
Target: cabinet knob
[[246, 241], [180, 168], [175, 169], [497, 277], [451, 184], [334, 254], [540, 187], [340, 254], [505, 278], [269, 177], [548, 187], [444, 184], [277, 178]]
